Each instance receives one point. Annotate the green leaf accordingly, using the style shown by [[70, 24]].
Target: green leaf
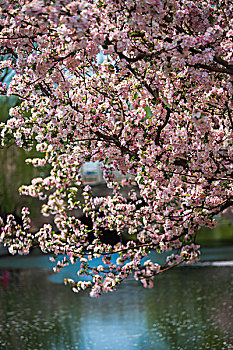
[[148, 113]]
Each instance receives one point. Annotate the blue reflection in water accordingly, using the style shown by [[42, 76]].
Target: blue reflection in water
[[189, 308]]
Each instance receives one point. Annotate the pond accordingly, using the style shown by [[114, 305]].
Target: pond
[[188, 308]]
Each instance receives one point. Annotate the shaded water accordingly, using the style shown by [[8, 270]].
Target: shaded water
[[188, 308]]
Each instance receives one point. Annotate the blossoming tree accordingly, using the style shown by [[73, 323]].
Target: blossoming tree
[[158, 109]]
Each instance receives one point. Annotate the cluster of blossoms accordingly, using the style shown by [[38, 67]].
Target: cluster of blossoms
[[17, 237], [157, 107]]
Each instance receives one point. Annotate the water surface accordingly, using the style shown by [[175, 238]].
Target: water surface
[[188, 308]]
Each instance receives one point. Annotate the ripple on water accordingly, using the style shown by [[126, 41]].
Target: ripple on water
[[189, 308]]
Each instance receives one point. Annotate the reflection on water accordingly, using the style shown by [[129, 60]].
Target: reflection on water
[[189, 308]]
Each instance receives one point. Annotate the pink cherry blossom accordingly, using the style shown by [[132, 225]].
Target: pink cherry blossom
[[157, 109]]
